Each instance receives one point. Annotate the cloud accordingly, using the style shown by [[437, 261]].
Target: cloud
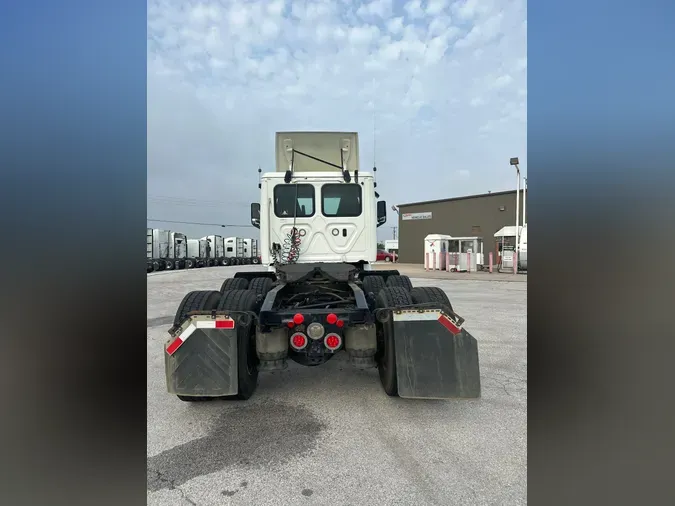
[[414, 9], [224, 76], [376, 8], [502, 81], [435, 7]]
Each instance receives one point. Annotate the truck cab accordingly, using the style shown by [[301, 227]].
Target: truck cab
[[318, 207]]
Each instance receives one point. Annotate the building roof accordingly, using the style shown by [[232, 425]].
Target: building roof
[[460, 198]]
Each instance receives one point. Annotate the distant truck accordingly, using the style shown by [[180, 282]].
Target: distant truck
[[165, 250], [198, 252], [234, 250], [251, 253], [178, 251], [217, 250]]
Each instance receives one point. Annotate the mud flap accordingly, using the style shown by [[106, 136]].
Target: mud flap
[[435, 357], [200, 358]]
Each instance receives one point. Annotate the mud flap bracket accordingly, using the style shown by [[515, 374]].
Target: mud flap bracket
[[200, 357], [435, 357]]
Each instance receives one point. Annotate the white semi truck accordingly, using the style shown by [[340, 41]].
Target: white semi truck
[[319, 296], [216, 250], [165, 250], [251, 253], [241, 251], [198, 252]]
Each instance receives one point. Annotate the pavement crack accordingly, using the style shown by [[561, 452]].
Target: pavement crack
[[171, 485]]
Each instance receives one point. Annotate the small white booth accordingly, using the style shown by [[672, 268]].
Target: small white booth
[[435, 249], [505, 244], [465, 254]]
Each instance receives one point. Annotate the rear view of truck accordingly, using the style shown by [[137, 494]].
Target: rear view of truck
[[250, 254], [318, 216], [178, 250]]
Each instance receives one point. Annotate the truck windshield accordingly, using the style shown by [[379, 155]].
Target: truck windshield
[[341, 200], [294, 200]]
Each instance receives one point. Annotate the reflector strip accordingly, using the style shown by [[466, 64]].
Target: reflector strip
[[448, 324], [227, 323], [171, 349], [414, 316], [223, 323]]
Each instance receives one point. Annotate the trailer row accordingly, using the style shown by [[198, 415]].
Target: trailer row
[[168, 250]]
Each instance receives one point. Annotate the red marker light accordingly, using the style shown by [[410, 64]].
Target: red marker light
[[340, 323], [298, 341], [333, 341], [331, 319], [290, 325], [298, 319]]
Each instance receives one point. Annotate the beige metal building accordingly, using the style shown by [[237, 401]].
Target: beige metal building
[[475, 215]]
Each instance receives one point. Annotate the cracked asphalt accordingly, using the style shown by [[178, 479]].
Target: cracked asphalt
[[329, 435]]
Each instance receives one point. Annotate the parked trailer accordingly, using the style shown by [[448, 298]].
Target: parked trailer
[[198, 251], [234, 250], [320, 296]]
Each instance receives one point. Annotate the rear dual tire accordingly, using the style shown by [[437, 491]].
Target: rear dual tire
[[398, 296], [386, 354], [247, 359]]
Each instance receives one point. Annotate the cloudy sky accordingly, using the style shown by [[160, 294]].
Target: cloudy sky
[[436, 89]]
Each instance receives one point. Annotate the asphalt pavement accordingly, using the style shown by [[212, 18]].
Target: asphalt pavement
[[329, 435]]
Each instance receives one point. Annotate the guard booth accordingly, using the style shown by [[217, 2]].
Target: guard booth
[[435, 251], [465, 254], [505, 246]]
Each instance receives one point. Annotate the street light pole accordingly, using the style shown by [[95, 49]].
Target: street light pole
[[514, 162]]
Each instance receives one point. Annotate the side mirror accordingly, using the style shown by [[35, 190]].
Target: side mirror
[[255, 215], [381, 213]]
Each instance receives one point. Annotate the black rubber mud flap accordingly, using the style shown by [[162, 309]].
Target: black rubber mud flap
[[201, 357], [435, 358]]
